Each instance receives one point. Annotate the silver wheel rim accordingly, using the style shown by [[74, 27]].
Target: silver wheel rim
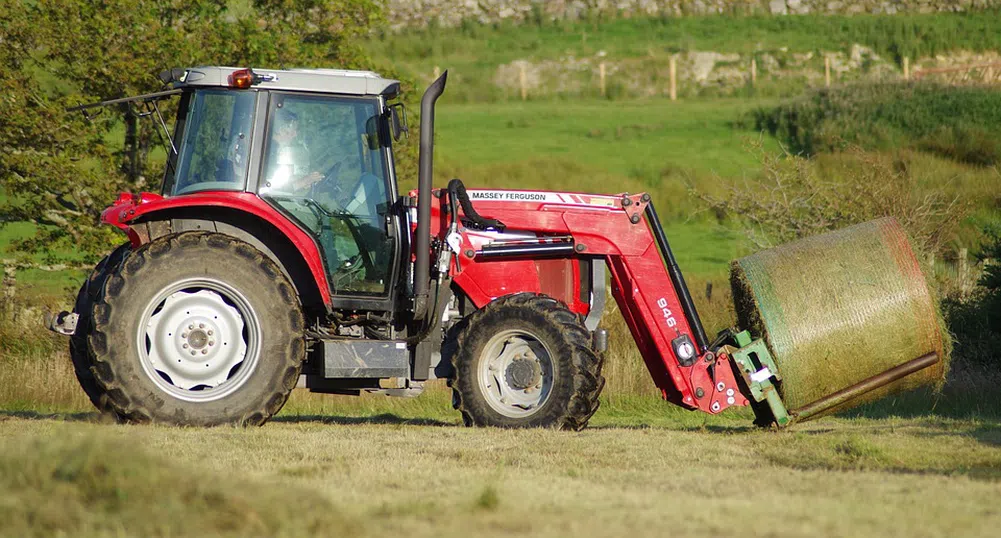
[[199, 340], [515, 374]]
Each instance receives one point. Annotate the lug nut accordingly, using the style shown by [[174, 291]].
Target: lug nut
[[190, 327], [193, 352], [184, 335], [185, 346], [204, 351], [201, 325], [211, 343], [210, 332]]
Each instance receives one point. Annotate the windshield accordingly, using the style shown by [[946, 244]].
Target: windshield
[[215, 143]]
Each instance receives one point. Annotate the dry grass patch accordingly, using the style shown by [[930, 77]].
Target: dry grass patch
[[835, 477], [81, 481]]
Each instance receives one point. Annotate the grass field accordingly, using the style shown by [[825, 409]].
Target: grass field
[[375, 475]]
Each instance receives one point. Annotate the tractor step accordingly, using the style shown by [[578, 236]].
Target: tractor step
[[350, 358]]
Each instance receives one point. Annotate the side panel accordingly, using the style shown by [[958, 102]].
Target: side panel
[[557, 277]]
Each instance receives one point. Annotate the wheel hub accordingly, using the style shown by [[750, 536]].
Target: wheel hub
[[516, 375], [195, 340], [198, 338], [523, 373]]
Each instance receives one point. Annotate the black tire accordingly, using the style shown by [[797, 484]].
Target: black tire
[[79, 351], [129, 291], [576, 368]]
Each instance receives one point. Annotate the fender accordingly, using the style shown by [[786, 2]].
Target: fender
[[128, 210]]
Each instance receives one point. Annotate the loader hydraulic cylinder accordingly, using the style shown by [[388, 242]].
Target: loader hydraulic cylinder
[[678, 280]]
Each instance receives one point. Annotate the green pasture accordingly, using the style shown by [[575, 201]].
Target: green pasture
[[474, 51]]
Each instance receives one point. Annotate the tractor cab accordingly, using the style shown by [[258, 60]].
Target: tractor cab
[[316, 145]]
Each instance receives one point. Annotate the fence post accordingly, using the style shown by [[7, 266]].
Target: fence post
[[907, 68], [674, 78], [601, 77], [523, 81], [754, 72], [964, 285], [9, 282], [827, 71]]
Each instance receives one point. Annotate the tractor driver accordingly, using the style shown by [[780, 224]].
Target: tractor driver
[[289, 161]]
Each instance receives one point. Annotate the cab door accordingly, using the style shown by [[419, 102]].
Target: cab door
[[327, 165]]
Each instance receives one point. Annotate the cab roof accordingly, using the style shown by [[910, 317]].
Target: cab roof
[[339, 81]]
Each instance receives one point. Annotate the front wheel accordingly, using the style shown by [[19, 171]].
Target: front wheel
[[526, 361], [197, 329]]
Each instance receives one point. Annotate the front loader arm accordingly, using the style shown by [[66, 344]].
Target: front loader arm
[[621, 231]]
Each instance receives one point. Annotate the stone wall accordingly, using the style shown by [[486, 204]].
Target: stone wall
[[418, 13]]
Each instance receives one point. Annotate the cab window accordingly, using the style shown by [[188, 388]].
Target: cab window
[[214, 149]]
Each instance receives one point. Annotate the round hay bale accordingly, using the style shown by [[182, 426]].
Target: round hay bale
[[838, 308]]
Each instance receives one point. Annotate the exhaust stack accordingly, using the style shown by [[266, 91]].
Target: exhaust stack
[[422, 243]]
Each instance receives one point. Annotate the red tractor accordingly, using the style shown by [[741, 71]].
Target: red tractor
[[278, 254]]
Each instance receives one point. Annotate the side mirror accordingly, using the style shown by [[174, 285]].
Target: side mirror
[[398, 121]]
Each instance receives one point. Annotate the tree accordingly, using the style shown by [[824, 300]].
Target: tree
[[60, 171]]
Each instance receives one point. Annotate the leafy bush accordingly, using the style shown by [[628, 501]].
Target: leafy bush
[[975, 321], [793, 198], [961, 123]]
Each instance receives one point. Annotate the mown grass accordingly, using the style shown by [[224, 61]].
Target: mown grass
[[93, 484], [474, 51], [313, 476]]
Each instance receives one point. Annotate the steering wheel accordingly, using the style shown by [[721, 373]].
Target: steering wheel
[[329, 182]]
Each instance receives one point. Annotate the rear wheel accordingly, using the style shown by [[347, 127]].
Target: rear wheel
[[526, 361], [85, 299], [197, 329]]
